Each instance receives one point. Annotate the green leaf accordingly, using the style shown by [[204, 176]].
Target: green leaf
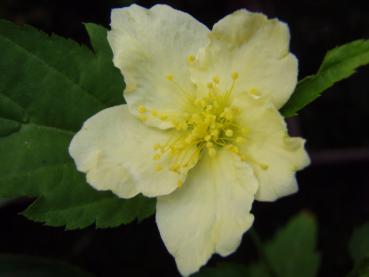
[[359, 243], [292, 251], [48, 87], [338, 64], [361, 268], [27, 266]]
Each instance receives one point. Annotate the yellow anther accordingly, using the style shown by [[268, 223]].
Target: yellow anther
[[191, 58], [254, 92], [175, 167], [264, 166], [142, 117], [173, 149], [163, 117], [141, 108], [210, 85], [207, 138], [156, 157], [212, 152], [209, 144], [169, 77], [236, 110], [234, 76], [157, 146], [154, 113], [216, 79], [158, 167], [229, 133], [234, 149]]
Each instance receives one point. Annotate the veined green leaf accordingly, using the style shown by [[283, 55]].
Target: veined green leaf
[[48, 87], [338, 64], [292, 250]]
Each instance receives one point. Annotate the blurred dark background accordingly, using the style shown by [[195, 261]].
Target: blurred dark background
[[335, 188]]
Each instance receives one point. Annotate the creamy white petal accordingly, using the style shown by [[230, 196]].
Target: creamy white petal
[[255, 47], [149, 45], [210, 213], [116, 151], [274, 155]]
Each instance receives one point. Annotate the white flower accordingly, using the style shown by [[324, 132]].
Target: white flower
[[201, 129]]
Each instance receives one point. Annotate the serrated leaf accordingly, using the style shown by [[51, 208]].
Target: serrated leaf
[[338, 64], [359, 243], [27, 266], [48, 87], [292, 251]]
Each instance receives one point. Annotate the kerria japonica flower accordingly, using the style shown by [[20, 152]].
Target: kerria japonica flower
[[201, 130]]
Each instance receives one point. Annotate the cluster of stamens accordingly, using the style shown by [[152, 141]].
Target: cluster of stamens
[[208, 124]]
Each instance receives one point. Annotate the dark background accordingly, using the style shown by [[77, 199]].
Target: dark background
[[335, 188]]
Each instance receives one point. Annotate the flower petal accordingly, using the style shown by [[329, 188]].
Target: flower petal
[[116, 151], [274, 156], [150, 48], [254, 47], [210, 213]]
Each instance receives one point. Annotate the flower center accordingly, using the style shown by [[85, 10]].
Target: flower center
[[208, 124]]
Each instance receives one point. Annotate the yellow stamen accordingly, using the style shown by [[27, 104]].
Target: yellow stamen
[[157, 146], [156, 157], [141, 109], [234, 76], [208, 124], [175, 167], [191, 58], [229, 133]]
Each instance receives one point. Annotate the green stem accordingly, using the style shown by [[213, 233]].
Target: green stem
[[260, 249]]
